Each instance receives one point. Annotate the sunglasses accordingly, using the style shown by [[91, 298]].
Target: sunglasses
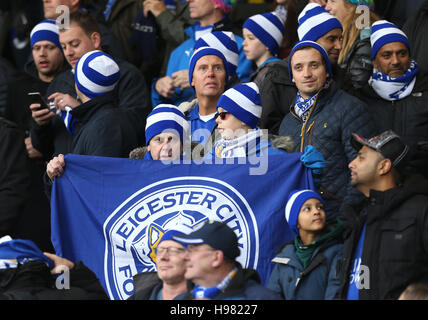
[[222, 115]]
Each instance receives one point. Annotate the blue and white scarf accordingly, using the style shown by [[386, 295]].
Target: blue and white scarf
[[68, 119], [392, 89], [212, 292], [239, 147], [200, 31]]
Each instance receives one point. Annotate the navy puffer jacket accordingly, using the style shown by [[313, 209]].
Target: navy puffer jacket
[[335, 116]]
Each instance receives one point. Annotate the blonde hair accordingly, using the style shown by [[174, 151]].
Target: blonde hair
[[350, 30]]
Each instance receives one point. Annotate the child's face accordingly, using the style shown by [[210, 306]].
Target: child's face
[[311, 216], [254, 49]]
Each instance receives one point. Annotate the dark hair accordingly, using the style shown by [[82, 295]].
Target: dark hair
[[290, 24], [85, 21]]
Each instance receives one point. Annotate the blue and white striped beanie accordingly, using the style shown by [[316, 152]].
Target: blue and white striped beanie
[[96, 73], [243, 101], [384, 32], [314, 45], [315, 21], [45, 30], [268, 28], [178, 230], [206, 51], [164, 118], [225, 42], [295, 202]]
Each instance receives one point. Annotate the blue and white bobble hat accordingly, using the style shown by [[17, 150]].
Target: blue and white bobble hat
[[243, 101], [295, 202], [166, 118], [178, 230], [384, 32], [225, 42], [268, 28], [96, 73], [45, 30], [314, 45], [206, 51], [315, 21]]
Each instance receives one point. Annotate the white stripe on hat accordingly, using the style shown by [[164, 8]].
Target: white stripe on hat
[[45, 26], [313, 22], [87, 83], [383, 32], [290, 203], [242, 100], [214, 42], [269, 27], [167, 116]]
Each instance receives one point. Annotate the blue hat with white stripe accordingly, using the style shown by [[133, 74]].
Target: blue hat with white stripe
[[206, 51], [295, 202], [384, 32], [178, 230], [314, 45], [243, 101], [315, 21], [45, 30], [225, 42], [166, 118], [268, 28], [96, 73]]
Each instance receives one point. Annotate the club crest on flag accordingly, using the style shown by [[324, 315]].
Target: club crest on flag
[[133, 230]]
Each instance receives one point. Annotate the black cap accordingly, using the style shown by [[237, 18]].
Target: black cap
[[388, 144], [217, 235]]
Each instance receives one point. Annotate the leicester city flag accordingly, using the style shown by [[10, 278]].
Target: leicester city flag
[[111, 212]]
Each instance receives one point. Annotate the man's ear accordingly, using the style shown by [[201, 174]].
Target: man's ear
[[219, 258], [384, 166], [96, 40]]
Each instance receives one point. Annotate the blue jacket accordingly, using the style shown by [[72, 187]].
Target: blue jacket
[[319, 281], [334, 118], [180, 59]]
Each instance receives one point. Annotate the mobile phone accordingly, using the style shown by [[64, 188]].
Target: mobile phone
[[36, 97]]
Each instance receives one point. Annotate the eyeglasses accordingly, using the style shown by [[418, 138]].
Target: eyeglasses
[[169, 250], [222, 115]]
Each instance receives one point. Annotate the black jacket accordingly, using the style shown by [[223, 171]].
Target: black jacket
[[277, 93], [334, 118], [395, 248], [101, 129], [146, 286], [14, 176], [245, 285], [407, 117], [33, 281]]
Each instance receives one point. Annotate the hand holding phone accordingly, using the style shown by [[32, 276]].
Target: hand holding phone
[[36, 97]]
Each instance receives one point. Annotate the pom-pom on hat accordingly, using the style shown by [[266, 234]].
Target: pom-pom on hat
[[243, 101], [166, 118], [225, 42], [45, 30], [315, 46], [268, 28], [96, 73], [384, 32], [315, 21], [206, 51], [295, 202]]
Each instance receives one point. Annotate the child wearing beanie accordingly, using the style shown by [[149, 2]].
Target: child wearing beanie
[[306, 268]]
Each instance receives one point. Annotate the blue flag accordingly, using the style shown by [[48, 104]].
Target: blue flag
[[110, 212]]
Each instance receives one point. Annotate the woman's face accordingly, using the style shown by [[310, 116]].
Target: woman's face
[[339, 8]]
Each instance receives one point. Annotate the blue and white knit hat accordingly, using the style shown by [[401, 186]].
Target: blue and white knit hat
[[243, 101], [96, 73], [178, 230], [315, 21], [384, 32], [164, 118], [225, 42], [315, 46], [206, 51], [268, 28], [45, 30], [295, 202]]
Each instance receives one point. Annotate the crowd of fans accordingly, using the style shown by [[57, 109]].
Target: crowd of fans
[[341, 81]]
